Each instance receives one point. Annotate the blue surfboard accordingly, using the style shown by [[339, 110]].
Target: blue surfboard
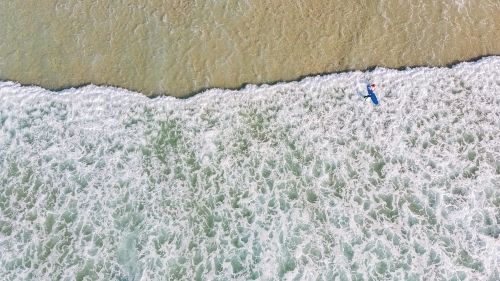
[[372, 94]]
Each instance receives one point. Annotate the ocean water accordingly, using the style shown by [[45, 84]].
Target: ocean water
[[295, 181], [173, 47]]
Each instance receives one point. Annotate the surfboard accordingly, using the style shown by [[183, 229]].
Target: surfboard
[[372, 94]]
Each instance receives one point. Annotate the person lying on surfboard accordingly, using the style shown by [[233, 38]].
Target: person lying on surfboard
[[372, 86]]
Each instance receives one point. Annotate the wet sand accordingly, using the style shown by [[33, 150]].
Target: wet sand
[[180, 48]]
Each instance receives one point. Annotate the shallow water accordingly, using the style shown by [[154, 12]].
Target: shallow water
[[182, 47], [297, 180]]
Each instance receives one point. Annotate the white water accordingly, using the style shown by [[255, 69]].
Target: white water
[[296, 180]]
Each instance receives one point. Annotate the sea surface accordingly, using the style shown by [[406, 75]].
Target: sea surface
[[303, 180], [179, 48]]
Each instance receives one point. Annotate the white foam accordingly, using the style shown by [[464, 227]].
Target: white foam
[[301, 179]]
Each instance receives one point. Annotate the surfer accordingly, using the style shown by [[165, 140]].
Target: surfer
[[372, 86]]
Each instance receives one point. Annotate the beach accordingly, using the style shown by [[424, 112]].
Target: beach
[[200, 140], [181, 48]]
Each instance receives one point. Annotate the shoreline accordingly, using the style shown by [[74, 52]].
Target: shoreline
[[183, 48], [244, 85]]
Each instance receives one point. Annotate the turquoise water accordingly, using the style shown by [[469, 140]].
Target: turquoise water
[[295, 181]]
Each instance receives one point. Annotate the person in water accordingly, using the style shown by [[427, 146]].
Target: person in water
[[372, 86]]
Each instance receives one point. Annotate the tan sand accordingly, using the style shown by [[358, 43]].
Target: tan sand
[[178, 47]]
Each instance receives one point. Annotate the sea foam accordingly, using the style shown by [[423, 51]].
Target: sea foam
[[298, 180]]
